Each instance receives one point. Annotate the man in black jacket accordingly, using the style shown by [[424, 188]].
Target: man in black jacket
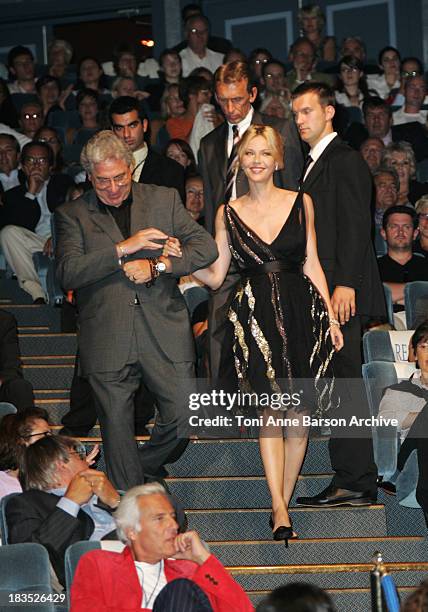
[[130, 124], [25, 218], [13, 388]]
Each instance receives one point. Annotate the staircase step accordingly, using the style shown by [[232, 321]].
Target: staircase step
[[49, 376], [241, 458], [312, 552], [11, 291], [236, 491], [249, 524], [30, 315], [55, 394], [32, 344]]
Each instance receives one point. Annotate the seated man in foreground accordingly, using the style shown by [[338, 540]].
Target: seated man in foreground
[[158, 569]]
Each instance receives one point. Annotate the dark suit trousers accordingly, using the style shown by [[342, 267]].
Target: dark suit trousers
[[351, 450], [171, 384]]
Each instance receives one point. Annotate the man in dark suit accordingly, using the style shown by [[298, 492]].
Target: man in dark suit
[[339, 182], [25, 218], [13, 388], [235, 94], [133, 322], [58, 506], [130, 124]]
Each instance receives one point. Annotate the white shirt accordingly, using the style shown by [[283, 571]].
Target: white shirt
[[400, 117], [379, 84], [318, 150], [43, 227], [21, 138], [343, 99], [15, 87], [242, 128], [8, 182], [152, 579], [190, 60], [139, 159]]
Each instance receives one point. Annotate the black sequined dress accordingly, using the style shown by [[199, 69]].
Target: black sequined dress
[[280, 323]]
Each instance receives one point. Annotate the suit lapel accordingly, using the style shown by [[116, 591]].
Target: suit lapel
[[318, 167], [139, 214], [104, 220]]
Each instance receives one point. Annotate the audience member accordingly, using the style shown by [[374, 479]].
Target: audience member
[[273, 79], [275, 106], [126, 86], [387, 185], [420, 245], [383, 84], [297, 597], [8, 114], [302, 55], [21, 138], [9, 462], [90, 75], [216, 43], [234, 55], [88, 106], [26, 215], [130, 123], [21, 66], [418, 600], [410, 67], [196, 53], [400, 266], [256, 60], [371, 150], [415, 91], [13, 387], [351, 89], [180, 151], [50, 136], [60, 54], [64, 501], [169, 72], [194, 92], [31, 118], [112, 268], [158, 569], [195, 197], [311, 23], [9, 162], [400, 156]]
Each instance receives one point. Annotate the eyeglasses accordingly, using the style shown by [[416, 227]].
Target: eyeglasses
[[349, 69], [36, 161], [52, 140], [261, 61], [199, 32], [105, 183], [42, 434], [407, 227], [79, 451], [410, 73], [31, 116]]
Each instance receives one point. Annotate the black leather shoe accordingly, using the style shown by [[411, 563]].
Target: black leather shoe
[[39, 301], [333, 496]]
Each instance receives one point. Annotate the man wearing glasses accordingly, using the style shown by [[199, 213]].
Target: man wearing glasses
[[31, 118], [197, 54], [25, 218], [133, 322]]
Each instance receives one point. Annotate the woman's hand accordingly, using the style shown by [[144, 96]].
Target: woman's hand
[[172, 248], [336, 336]]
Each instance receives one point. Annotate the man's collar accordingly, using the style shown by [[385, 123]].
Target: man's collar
[[13, 173], [244, 124], [106, 207], [319, 148]]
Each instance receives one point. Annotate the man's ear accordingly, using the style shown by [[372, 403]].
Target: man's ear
[[145, 125], [330, 111], [253, 94], [383, 233]]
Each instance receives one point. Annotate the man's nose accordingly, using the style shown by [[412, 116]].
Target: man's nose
[[127, 131]]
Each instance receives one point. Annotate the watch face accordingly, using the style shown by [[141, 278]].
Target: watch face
[[161, 266]]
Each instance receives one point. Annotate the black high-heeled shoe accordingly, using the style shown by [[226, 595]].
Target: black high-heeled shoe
[[281, 533]]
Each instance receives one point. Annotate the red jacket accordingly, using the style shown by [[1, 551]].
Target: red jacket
[[108, 581]]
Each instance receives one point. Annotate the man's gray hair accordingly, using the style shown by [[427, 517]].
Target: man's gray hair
[[102, 146], [387, 170], [39, 461], [127, 516]]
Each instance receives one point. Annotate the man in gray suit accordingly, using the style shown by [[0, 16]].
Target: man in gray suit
[[133, 321]]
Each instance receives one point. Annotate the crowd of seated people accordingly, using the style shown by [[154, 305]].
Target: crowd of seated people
[[161, 110]]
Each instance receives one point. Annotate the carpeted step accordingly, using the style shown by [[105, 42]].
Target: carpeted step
[[49, 376], [244, 524], [30, 316], [47, 344]]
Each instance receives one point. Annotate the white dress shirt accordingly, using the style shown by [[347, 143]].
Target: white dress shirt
[[190, 60], [140, 156], [9, 181], [318, 150], [43, 227]]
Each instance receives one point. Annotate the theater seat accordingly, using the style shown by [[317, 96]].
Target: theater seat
[[416, 302], [380, 345], [3, 524]]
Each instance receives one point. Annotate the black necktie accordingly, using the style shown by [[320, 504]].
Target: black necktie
[[306, 165], [231, 164]]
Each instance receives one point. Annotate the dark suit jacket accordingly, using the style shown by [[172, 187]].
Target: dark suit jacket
[[213, 164], [340, 186], [25, 212], [414, 133], [87, 263], [163, 171], [32, 516], [10, 358]]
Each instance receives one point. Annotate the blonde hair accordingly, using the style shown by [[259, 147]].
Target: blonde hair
[[400, 147], [102, 146], [273, 138], [422, 204]]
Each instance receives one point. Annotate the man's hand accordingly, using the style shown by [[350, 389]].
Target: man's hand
[[172, 248], [79, 489], [144, 239], [138, 271], [48, 247], [101, 487], [343, 302], [189, 546], [35, 183]]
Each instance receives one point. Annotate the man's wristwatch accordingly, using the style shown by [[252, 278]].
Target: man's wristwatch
[[156, 268], [160, 266]]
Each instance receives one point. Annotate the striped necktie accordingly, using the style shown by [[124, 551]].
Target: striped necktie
[[231, 164]]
